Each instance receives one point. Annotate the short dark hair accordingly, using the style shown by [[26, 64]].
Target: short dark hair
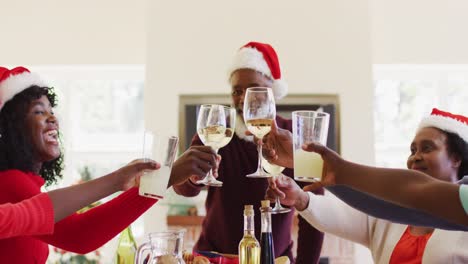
[[16, 151], [459, 147]]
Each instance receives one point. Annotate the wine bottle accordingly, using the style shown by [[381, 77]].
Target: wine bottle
[[267, 255], [126, 248], [249, 248]]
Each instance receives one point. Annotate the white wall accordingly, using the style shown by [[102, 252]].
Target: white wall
[[419, 31], [324, 47], [72, 32]]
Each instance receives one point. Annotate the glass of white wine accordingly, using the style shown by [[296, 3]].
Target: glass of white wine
[[259, 114], [276, 171], [215, 127]]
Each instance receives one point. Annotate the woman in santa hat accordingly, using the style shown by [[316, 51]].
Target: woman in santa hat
[[439, 150], [30, 157], [410, 188]]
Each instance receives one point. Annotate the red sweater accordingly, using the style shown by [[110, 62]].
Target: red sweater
[[79, 233], [34, 216]]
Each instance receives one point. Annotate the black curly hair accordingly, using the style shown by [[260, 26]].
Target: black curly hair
[[459, 147], [16, 150]]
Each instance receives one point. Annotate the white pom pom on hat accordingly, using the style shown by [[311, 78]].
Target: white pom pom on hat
[[15, 81], [446, 121], [262, 58]]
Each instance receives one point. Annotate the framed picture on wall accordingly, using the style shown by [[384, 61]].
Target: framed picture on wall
[[190, 104]]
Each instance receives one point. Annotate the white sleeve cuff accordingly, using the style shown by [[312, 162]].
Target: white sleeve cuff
[[307, 213]]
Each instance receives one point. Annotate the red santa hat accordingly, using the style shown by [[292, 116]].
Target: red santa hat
[[261, 57], [15, 81], [446, 121]]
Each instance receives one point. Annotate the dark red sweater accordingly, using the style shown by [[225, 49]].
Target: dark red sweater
[[223, 224], [80, 233]]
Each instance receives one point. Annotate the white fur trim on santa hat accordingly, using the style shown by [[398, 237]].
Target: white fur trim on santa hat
[[16, 84], [250, 58], [280, 89], [446, 124]]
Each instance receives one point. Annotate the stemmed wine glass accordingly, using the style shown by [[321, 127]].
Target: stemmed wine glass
[[259, 114], [215, 127], [276, 171]]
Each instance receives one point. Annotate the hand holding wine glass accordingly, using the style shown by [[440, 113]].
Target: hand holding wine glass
[[259, 114], [289, 192], [277, 146], [215, 127], [276, 171]]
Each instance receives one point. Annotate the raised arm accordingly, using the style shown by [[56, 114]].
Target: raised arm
[[37, 215], [70, 199], [279, 143], [95, 227], [379, 208], [325, 212], [415, 189]]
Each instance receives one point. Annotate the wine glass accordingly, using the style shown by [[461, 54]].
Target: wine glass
[[215, 127], [275, 171], [259, 114]]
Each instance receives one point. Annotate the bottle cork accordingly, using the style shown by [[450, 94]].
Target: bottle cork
[[265, 203], [248, 210]]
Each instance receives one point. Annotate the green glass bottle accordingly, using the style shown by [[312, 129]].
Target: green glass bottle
[[126, 248]]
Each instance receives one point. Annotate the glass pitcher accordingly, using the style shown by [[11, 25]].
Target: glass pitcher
[[162, 248]]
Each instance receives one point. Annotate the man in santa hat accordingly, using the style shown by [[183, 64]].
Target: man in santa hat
[[255, 65]]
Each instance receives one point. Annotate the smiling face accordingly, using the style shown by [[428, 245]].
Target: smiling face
[[42, 128], [243, 79], [429, 154]]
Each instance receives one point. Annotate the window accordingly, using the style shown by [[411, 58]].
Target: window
[[404, 94], [100, 110]]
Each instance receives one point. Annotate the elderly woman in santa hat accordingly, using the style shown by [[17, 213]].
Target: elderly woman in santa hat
[[30, 157], [254, 65], [417, 190], [439, 150]]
